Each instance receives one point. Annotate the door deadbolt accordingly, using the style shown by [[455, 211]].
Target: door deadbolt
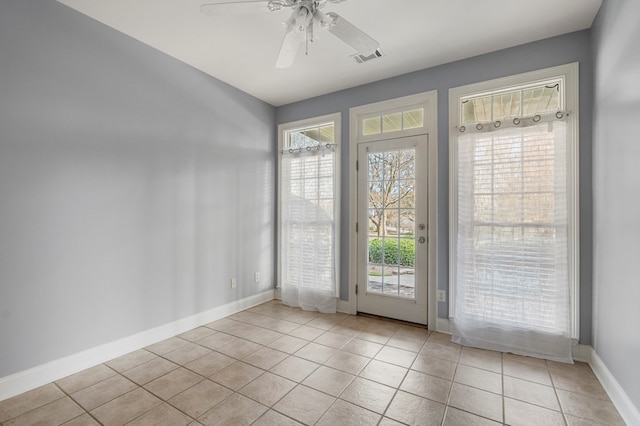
[[421, 227]]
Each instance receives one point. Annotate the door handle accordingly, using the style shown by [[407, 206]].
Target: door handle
[[421, 240]]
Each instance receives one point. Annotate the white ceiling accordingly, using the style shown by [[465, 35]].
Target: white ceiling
[[414, 34]]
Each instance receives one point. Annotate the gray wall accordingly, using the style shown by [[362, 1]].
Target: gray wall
[[575, 47], [616, 185], [132, 187]]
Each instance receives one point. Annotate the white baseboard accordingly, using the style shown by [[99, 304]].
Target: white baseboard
[[629, 412], [38, 376], [343, 306], [581, 353], [442, 326]]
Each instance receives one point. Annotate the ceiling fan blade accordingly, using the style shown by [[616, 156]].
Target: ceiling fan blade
[[235, 7], [294, 35], [293, 38], [347, 32]]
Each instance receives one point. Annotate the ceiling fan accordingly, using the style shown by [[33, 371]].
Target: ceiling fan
[[299, 26]]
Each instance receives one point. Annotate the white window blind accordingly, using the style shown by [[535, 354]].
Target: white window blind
[[307, 218], [511, 271]]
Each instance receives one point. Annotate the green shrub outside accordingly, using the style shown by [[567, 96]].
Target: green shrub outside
[[391, 255]]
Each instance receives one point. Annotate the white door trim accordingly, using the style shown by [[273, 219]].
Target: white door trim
[[428, 101]]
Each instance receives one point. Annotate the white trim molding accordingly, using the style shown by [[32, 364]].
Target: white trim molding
[[343, 306], [32, 378], [625, 406], [429, 102], [443, 326]]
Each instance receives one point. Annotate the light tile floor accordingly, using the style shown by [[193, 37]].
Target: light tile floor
[[275, 365]]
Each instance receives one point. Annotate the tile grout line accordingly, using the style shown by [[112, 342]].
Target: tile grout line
[[70, 397], [327, 325], [504, 410], [555, 392]]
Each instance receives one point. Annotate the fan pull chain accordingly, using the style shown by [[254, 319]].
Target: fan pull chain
[[309, 37]]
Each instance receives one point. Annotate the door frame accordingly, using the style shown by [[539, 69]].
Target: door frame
[[429, 102]]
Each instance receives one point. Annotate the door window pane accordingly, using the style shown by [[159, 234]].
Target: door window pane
[[391, 228]]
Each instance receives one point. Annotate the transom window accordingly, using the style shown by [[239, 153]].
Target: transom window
[[315, 137], [523, 101], [393, 122]]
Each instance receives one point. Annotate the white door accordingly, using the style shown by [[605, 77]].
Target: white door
[[393, 228]]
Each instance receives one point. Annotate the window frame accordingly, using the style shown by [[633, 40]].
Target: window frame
[[398, 105], [569, 75], [283, 129]]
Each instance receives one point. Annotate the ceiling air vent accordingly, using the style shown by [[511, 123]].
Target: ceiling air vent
[[360, 58]]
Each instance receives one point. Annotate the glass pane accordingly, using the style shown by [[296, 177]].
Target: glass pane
[[391, 227], [539, 208], [376, 268], [506, 105], [406, 268], [325, 166], [540, 99], [507, 177], [391, 283], [407, 223], [374, 283], [413, 119], [376, 166], [326, 188], [392, 122], [507, 208], [483, 180], [327, 207], [374, 227], [310, 137], [390, 263], [406, 164], [311, 167], [371, 126], [483, 208], [389, 165], [326, 134], [297, 186], [483, 151], [311, 189], [474, 110], [538, 176], [376, 191]]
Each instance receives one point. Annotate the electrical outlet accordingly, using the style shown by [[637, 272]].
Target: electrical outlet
[[442, 296], [233, 283], [256, 276]]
